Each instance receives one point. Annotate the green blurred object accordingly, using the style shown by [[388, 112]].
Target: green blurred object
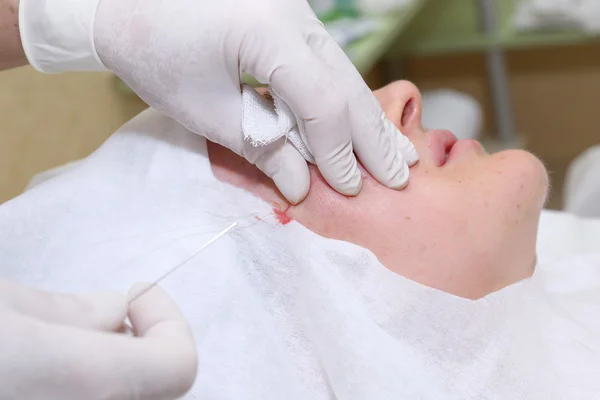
[[347, 8], [366, 52], [337, 14], [339, 9]]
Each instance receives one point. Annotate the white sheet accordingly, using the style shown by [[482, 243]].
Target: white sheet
[[452, 110], [281, 313], [582, 184]]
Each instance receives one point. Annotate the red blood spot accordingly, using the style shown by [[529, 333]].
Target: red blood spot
[[281, 216], [257, 218]]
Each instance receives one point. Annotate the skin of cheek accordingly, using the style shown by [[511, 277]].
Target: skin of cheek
[[399, 227], [468, 229], [452, 242]]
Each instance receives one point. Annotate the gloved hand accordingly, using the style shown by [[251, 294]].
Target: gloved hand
[[185, 58], [66, 347]]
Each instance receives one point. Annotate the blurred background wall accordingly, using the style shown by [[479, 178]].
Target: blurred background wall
[[48, 120]]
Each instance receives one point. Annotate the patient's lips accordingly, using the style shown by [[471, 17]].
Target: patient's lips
[[440, 142]]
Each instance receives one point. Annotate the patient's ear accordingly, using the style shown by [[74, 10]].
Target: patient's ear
[[402, 103]]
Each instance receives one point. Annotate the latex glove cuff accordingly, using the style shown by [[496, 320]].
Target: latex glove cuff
[[58, 35]]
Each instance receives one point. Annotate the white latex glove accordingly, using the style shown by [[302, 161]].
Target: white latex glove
[[185, 58], [65, 347]]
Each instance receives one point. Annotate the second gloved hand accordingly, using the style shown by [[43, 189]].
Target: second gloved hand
[[185, 58], [55, 346]]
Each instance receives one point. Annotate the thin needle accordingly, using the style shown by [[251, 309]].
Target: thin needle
[[181, 264]]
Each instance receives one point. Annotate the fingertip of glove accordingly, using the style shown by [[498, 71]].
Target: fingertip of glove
[[294, 189], [346, 181], [138, 290], [292, 178], [354, 187], [403, 144], [400, 179], [148, 293], [151, 306], [109, 309], [410, 154]]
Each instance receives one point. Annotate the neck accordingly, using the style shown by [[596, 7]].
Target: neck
[[11, 49]]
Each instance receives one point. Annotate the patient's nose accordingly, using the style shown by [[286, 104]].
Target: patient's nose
[[402, 104], [408, 113]]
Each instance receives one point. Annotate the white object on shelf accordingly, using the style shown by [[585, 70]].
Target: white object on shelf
[[582, 185], [558, 14], [452, 110]]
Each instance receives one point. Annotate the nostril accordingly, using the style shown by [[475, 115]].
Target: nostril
[[408, 112]]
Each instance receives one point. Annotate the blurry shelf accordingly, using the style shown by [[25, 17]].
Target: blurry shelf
[[443, 27], [511, 39], [453, 26], [445, 45], [366, 52]]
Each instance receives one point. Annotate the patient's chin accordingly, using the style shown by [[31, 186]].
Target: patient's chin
[[527, 176]]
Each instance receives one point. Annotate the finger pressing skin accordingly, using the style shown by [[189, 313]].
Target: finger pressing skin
[[307, 86], [378, 144]]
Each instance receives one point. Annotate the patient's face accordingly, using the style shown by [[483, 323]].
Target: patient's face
[[466, 225]]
